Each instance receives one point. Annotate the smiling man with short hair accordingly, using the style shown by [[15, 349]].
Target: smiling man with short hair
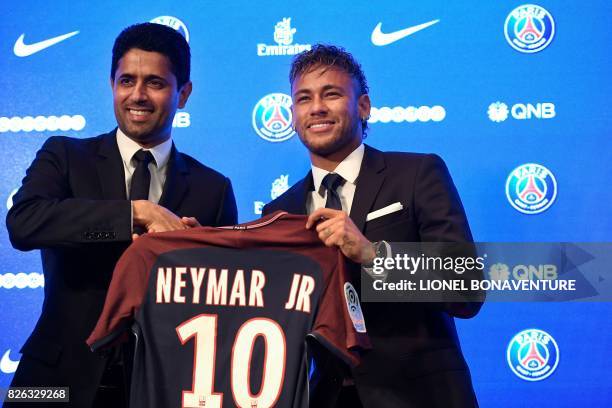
[[82, 200], [416, 359]]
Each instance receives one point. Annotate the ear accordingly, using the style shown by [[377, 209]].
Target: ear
[[364, 106], [184, 93], [112, 83], [292, 108], [293, 119]]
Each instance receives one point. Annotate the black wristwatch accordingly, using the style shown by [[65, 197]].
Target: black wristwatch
[[382, 249]]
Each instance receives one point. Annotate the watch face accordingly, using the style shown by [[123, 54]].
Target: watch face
[[380, 248]]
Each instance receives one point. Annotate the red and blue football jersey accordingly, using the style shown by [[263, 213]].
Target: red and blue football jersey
[[221, 315]]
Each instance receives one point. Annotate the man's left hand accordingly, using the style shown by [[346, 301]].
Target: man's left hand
[[336, 228]]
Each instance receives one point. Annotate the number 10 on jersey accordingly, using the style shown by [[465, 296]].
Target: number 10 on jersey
[[203, 329]]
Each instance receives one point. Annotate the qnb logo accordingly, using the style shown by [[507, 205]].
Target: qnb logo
[[499, 111], [531, 188], [173, 22], [279, 186], [529, 28], [181, 120], [22, 280], [42, 123], [283, 36], [501, 272], [533, 355], [408, 114]]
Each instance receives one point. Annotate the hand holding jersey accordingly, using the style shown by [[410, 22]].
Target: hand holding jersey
[[416, 359], [75, 205], [202, 301], [335, 227], [155, 218]]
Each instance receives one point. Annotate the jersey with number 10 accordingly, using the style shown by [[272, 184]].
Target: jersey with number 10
[[221, 315]]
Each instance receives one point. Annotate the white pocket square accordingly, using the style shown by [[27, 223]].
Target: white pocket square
[[384, 211]]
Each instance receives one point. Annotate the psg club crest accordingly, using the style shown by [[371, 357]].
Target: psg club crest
[[529, 28], [533, 355], [173, 22], [272, 117], [531, 188]]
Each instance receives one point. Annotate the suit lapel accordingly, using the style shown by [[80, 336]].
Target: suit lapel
[[296, 202], [369, 182], [175, 186], [110, 168]]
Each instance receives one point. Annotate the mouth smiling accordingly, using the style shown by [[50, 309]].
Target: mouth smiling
[[321, 126], [139, 113]]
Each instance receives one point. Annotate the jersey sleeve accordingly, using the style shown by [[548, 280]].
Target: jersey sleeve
[[339, 324], [123, 299]]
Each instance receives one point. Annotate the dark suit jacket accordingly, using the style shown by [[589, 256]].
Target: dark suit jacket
[[72, 205], [416, 360]]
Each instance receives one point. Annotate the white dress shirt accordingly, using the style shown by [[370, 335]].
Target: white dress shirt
[[157, 168], [349, 170]]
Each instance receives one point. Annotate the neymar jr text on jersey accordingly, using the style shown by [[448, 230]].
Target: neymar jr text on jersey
[[213, 286]]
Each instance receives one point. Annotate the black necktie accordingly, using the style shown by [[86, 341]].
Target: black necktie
[[141, 179], [331, 182]]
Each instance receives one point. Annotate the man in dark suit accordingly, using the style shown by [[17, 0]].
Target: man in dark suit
[[416, 360], [84, 200]]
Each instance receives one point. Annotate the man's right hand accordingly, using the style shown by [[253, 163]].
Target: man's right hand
[[191, 222], [155, 218]]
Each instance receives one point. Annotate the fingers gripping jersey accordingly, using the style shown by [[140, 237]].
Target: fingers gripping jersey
[[221, 314]]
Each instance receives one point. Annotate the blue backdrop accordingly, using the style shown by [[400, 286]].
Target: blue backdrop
[[488, 85]]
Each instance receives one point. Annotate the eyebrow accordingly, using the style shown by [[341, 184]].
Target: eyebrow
[[325, 88], [147, 78]]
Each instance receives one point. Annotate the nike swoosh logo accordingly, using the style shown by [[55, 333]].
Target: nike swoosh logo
[[379, 38], [7, 365], [25, 50]]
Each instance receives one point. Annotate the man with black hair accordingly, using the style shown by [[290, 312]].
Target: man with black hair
[[356, 197], [82, 202]]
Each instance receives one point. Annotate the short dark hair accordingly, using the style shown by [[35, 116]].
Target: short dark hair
[[158, 38], [330, 56]]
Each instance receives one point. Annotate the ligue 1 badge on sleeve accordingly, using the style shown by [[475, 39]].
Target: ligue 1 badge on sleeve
[[529, 28], [533, 355], [354, 308]]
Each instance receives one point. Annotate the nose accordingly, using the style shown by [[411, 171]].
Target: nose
[[139, 93], [318, 106]]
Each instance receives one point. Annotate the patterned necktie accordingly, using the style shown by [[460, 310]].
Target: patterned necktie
[[141, 179], [331, 182]]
